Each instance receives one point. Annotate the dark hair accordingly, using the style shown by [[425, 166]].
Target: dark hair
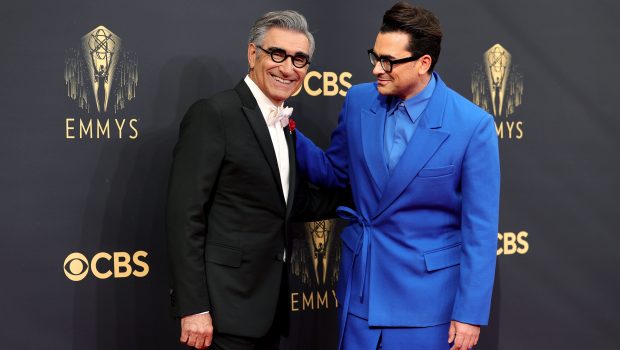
[[421, 25]]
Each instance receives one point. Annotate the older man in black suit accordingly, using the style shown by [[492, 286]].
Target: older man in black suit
[[231, 195]]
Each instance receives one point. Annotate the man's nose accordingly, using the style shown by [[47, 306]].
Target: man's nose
[[377, 69], [287, 65]]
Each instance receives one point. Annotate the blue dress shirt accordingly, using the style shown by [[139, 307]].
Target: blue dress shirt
[[401, 122]]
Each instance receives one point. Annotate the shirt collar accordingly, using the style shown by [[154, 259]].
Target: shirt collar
[[412, 102], [264, 103]]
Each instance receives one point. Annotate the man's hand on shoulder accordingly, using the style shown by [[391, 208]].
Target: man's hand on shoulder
[[197, 330], [465, 336]]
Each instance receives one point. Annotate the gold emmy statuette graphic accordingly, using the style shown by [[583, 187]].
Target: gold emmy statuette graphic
[[101, 48], [110, 70], [315, 257], [497, 86], [314, 261], [319, 235]]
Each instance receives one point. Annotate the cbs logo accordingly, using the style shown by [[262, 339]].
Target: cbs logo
[[327, 84], [513, 243], [119, 265]]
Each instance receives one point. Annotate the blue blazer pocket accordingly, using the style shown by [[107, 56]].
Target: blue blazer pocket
[[435, 172], [223, 255], [443, 257]]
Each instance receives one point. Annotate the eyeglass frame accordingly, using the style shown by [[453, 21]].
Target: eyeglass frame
[[371, 53], [286, 55]]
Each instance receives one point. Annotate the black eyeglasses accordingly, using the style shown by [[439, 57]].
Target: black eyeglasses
[[278, 56], [387, 63]]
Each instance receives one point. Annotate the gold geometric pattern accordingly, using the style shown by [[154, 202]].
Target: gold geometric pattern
[[315, 257], [496, 85], [102, 63]]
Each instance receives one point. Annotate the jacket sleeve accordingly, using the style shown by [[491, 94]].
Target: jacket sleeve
[[330, 168], [198, 156], [314, 204], [479, 223]]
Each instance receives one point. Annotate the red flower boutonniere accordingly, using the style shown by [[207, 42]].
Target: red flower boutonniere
[[291, 125]]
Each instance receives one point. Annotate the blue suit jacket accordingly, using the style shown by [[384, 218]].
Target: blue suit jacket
[[423, 240]]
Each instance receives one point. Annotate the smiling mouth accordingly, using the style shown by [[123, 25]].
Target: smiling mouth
[[282, 81]]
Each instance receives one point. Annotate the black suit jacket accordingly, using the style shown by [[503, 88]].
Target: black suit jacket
[[226, 216]]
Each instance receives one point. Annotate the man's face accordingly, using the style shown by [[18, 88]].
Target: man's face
[[278, 81], [406, 79]]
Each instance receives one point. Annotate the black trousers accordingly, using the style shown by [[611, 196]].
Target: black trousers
[[271, 340]]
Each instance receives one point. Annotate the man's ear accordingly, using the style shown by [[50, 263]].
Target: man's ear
[[251, 55], [425, 64]]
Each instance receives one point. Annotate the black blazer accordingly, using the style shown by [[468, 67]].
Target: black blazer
[[226, 218]]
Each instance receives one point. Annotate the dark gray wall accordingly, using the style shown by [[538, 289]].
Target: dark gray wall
[[89, 195]]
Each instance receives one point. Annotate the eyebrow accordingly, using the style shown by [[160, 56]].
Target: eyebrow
[[386, 56], [295, 54]]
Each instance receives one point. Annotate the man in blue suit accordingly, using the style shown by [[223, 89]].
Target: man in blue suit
[[418, 258]]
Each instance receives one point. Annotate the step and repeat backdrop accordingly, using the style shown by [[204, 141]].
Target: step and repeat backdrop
[[91, 97]]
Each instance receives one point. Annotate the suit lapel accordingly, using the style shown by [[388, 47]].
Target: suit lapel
[[259, 127], [372, 129], [292, 161], [426, 140]]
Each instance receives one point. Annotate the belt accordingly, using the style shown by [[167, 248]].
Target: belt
[[362, 246]]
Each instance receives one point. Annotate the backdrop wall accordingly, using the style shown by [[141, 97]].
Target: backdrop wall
[[85, 165]]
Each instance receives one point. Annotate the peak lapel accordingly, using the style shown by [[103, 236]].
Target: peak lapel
[[292, 161], [427, 138], [372, 129], [423, 145]]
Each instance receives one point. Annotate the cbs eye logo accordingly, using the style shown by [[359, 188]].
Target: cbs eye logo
[[104, 265]]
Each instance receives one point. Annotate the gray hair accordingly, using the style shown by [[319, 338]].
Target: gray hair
[[287, 19]]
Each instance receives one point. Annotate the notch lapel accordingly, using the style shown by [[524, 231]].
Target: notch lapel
[[259, 127]]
